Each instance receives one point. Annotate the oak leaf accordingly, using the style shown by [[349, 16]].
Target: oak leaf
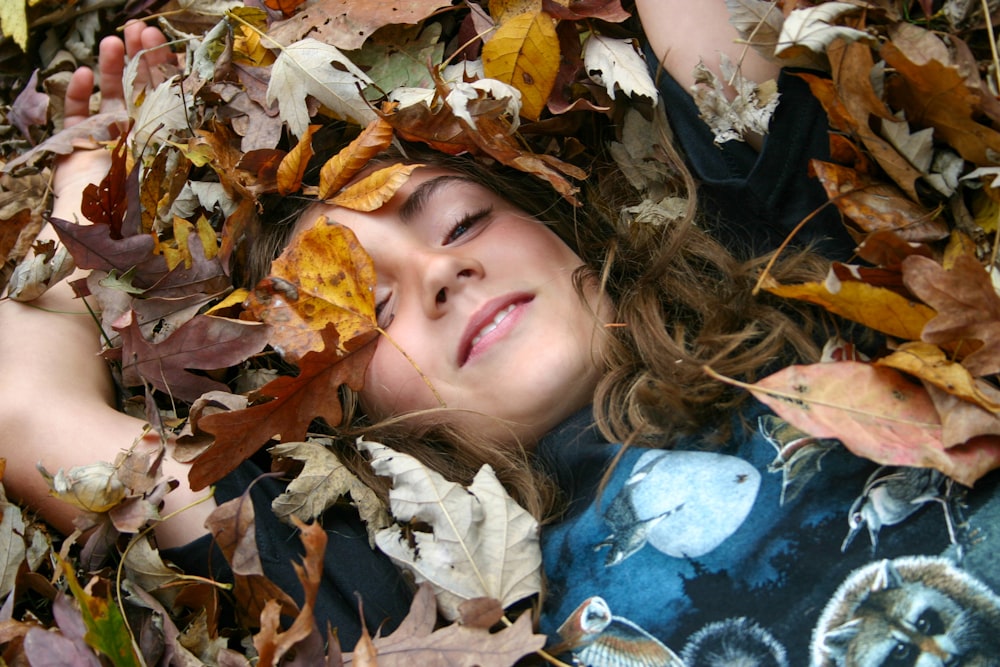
[[310, 67], [524, 53], [294, 403], [416, 642], [877, 413], [967, 305], [481, 543]]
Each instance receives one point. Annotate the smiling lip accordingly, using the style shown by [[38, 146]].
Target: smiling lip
[[489, 318]]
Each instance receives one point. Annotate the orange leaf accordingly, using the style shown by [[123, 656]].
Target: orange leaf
[[524, 52], [374, 190], [342, 167], [879, 308], [876, 206], [323, 277], [876, 413], [929, 363], [293, 166]]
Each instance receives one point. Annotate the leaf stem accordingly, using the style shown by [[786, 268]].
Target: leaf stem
[[541, 653], [413, 363]]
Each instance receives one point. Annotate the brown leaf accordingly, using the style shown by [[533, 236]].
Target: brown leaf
[[346, 24], [415, 642], [935, 94], [293, 166], [105, 203], [30, 108], [342, 167], [371, 192], [962, 421], [205, 342], [313, 393], [605, 10], [232, 525], [852, 64], [482, 613], [967, 305], [876, 413], [877, 206]]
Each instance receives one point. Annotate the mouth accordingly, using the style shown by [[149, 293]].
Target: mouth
[[490, 323]]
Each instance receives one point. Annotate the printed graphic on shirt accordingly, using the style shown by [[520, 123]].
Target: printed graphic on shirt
[[682, 503], [914, 610], [893, 494], [599, 639], [798, 455]]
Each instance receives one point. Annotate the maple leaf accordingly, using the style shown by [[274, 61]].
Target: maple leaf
[[416, 641], [967, 305], [324, 277], [296, 401], [524, 53], [614, 62], [814, 28], [464, 556], [204, 342], [310, 67]]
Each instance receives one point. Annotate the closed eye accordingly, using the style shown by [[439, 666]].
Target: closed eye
[[466, 223]]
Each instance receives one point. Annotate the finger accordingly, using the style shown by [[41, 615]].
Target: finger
[[77, 105], [147, 41], [111, 63]]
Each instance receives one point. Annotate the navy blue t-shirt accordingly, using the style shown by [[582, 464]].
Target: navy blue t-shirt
[[776, 550]]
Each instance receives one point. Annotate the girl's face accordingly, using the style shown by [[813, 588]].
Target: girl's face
[[480, 295]]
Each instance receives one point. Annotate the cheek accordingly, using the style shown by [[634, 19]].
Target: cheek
[[393, 385]]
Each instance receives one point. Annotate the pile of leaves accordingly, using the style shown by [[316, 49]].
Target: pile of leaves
[[258, 92]]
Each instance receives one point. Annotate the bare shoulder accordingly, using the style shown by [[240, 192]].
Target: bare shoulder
[[682, 32]]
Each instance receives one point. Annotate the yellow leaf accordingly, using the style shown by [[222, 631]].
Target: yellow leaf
[[14, 22], [208, 237], [323, 277], [371, 192], [342, 167], [524, 52], [502, 10], [235, 298], [929, 363], [248, 47], [876, 307]]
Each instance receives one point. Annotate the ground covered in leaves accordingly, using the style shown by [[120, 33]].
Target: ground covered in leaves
[[910, 91]]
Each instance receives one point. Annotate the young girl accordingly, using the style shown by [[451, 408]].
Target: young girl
[[732, 552]]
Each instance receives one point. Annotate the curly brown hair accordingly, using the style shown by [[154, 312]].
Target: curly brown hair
[[682, 301]]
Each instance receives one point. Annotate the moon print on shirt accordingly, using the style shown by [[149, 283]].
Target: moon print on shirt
[[682, 503]]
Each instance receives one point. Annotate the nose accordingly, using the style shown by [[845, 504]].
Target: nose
[[445, 274]]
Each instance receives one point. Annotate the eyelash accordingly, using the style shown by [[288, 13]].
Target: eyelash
[[468, 222]]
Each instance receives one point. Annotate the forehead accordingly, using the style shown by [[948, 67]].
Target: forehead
[[423, 186]]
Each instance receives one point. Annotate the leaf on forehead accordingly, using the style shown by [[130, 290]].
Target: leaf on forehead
[[323, 277], [341, 168], [296, 401], [373, 191]]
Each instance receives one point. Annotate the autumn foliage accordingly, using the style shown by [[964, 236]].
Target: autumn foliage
[[263, 92]]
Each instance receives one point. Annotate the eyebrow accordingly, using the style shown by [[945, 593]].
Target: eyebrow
[[416, 203]]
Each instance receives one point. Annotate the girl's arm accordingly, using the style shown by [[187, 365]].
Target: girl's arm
[[56, 394], [682, 32]]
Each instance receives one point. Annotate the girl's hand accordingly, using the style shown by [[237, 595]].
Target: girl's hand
[[77, 170]]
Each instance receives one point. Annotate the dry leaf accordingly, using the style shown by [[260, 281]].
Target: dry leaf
[[524, 53], [465, 556]]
